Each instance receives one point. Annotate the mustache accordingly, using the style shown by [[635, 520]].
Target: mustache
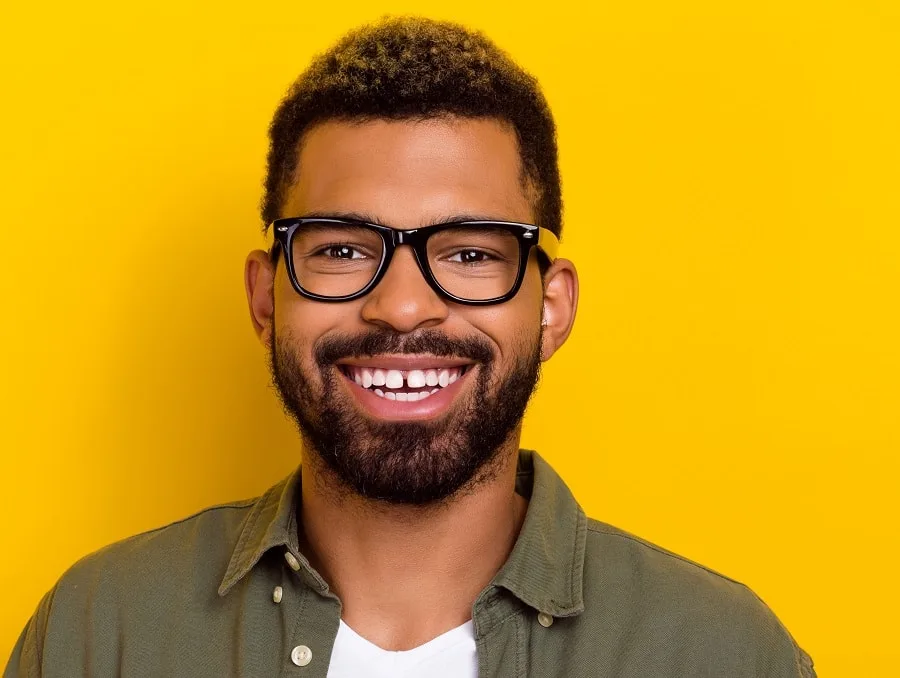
[[329, 350]]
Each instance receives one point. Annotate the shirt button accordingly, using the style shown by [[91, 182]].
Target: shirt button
[[545, 619], [277, 593], [301, 655], [292, 560]]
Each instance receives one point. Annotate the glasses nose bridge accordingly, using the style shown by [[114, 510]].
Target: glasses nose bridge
[[412, 238], [404, 237]]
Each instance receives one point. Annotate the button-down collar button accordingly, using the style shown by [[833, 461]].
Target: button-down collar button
[[277, 593], [301, 655], [292, 560], [544, 619]]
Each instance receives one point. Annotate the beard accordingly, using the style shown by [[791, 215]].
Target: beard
[[413, 463]]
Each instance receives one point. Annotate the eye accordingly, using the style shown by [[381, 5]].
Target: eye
[[470, 256], [342, 252]]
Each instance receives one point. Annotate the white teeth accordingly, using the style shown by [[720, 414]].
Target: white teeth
[[428, 380], [415, 378]]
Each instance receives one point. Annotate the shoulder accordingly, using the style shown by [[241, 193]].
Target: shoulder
[[631, 558], [693, 612], [188, 555], [209, 534], [137, 583]]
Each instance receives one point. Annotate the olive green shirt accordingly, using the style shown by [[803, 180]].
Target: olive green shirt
[[227, 593]]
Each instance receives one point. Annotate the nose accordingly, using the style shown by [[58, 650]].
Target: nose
[[403, 300]]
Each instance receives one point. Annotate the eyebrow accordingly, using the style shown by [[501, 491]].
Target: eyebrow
[[373, 219]]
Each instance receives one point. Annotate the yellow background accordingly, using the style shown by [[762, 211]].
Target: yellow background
[[732, 387]]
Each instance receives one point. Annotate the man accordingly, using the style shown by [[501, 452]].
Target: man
[[410, 294]]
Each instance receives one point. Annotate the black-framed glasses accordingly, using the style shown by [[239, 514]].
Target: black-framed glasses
[[468, 262]]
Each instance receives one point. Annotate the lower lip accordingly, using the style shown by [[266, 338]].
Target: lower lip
[[397, 410]]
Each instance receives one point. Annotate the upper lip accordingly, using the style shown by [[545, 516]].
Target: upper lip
[[404, 362]]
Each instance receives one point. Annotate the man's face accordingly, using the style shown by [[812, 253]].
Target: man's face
[[378, 440]]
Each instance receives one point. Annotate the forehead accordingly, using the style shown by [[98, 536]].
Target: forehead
[[411, 173]]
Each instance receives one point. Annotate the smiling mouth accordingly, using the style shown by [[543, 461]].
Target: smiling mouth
[[403, 385]]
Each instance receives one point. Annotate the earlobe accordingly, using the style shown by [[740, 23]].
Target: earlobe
[[259, 278], [547, 349], [559, 306]]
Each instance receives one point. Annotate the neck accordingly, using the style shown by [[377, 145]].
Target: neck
[[406, 574]]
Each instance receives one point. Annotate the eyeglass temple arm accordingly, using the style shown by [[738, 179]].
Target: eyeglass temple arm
[[548, 242], [272, 241]]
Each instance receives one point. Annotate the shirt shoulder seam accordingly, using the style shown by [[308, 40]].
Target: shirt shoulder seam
[[659, 549], [242, 504]]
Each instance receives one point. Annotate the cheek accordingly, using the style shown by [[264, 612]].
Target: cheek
[[304, 321], [512, 326], [532, 291]]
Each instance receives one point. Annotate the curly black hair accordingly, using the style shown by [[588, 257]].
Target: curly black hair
[[416, 68]]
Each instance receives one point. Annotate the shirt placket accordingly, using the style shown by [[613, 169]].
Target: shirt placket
[[499, 637], [311, 616]]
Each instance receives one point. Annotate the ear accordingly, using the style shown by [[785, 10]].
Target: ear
[[259, 277], [560, 304]]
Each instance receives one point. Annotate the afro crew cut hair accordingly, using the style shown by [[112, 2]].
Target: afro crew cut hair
[[412, 68]]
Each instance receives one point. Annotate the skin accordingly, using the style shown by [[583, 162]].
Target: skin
[[406, 574]]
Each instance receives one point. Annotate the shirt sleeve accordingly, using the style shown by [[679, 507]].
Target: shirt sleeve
[[26, 658]]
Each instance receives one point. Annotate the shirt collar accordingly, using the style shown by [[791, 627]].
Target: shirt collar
[[271, 522], [544, 570]]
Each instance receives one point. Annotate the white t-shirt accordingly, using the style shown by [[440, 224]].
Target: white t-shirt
[[450, 655]]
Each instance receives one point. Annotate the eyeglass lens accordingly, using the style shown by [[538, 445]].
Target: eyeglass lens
[[474, 263]]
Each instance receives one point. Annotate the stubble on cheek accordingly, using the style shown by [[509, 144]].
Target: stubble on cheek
[[297, 384]]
